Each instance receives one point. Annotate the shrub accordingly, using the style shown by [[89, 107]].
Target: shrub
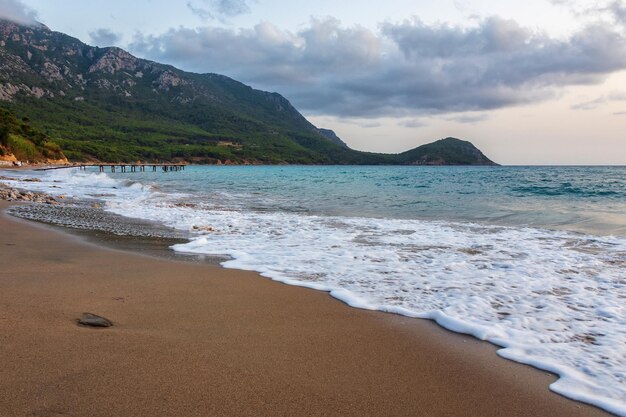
[[22, 149]]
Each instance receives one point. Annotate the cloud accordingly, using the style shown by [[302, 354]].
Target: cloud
[[218, 9], [412, 123], [617, 96], [467, 118], [370, 125], [363, 123], [619, 113], [600, 101], [405, 69], [611, 9], [104, 37], [617, 9], [590, 104], [16, 11]]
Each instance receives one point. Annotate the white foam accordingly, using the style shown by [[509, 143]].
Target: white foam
[[551, 299], [80, 184]]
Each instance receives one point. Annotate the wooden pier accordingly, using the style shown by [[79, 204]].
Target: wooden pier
[[136, 167]]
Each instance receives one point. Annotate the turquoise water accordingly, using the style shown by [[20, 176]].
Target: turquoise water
[[587, 199]]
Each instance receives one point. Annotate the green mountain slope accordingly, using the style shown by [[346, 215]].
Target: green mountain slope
[[20, 140], [448, 151], [105, 104]]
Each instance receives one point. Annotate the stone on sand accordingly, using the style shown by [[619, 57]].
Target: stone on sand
[[93, 320]]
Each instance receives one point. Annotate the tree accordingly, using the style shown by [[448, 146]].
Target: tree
[[4, 135]]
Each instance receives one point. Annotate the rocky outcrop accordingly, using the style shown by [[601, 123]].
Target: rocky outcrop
[[7, 91], [51, 72], [10, 63], [114, 60], [12, 194], [167, 80]]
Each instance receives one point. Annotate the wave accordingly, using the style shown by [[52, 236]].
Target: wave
[[565, 190]]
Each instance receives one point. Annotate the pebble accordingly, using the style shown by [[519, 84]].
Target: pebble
[[12, 194], [93, 320]]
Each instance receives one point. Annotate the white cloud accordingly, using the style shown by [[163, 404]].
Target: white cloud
[[104, 37], [412, 123], [467, 118], [218, 9], [600, 101], [16, 11]]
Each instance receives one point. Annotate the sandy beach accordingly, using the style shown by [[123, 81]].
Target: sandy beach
[[191, 339]]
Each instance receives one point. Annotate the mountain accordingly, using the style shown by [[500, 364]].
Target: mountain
[[448, 151], [105, 104]]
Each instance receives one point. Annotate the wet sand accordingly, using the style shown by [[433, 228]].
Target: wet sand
[[192, 339]]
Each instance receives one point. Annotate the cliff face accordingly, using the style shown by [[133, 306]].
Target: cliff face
[[106, 104]]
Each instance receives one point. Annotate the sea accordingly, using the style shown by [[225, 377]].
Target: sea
[[531, 259]]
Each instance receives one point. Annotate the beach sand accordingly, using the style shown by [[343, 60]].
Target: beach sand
[[191, 339]]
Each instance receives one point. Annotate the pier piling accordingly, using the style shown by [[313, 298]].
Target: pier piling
[[121, 167]]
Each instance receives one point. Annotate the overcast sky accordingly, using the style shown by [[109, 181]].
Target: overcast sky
[[529, 82]]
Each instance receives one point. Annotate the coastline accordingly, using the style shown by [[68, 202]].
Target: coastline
[[195, 339]]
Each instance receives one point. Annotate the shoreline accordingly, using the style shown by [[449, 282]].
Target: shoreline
[[195, 339]]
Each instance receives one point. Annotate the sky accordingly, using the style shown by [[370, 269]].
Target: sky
[[532, 82]]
